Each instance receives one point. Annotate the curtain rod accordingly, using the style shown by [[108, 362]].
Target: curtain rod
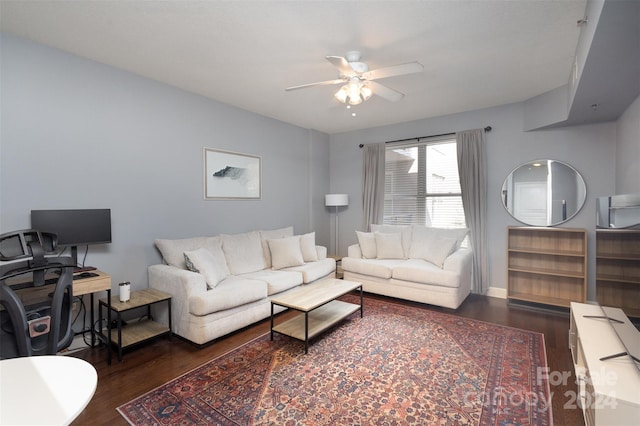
[[486, 129]]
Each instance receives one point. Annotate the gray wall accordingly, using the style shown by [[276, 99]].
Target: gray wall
[[628, 151], [79, 134], [588, 148]]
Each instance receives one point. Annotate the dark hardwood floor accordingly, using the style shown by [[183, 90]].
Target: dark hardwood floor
[[155, 363]]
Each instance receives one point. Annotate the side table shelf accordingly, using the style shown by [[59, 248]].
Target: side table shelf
[[134, 332]]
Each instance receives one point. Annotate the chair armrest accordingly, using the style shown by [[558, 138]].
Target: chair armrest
[[322, 252], [354, 251]]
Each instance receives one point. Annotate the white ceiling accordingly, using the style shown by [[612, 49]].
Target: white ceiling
[[476, 53]]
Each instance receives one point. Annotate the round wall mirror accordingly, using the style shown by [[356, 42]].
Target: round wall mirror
[[543, 193]]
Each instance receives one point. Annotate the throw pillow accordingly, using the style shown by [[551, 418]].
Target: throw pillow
[[389, 246], [367, 242], [459, 234], [285, 252], [308, 247], [273, 234], [172, 251], [213, 268], [405, 230], [437, 250]]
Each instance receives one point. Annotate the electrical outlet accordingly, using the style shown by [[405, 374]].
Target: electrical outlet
[[75, 307]]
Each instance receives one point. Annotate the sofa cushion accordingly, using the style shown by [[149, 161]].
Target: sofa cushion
[[459, 234], [285, 252], [308, 247], [367, 243], [405, 230], [389, 245], [212, 266], [431, 246], [371, 267], [172, 251], [440, 249], [277, 281], [314, 270], [421, 271], [243, 252], [230, 292], [273, 234]]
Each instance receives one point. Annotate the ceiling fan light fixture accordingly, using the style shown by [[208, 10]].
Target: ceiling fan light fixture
[[341, 95], [353, 89], [366, 92], [355, 101]]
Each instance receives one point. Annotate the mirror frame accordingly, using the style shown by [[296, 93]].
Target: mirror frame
[[580, 180]]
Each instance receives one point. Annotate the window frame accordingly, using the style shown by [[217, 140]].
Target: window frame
[[422, 195]]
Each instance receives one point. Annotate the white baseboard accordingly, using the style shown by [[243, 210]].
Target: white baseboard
[[500, 293]]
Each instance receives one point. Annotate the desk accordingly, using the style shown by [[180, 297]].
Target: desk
[[45, 389], [82, 286], [91, 285]]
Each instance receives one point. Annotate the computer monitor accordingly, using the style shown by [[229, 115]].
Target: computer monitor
[[75, 227]]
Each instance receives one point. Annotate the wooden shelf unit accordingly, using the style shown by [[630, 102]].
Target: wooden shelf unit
[[546, 265], [618, 269]]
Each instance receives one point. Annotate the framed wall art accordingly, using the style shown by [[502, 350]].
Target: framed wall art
[[231, 175]]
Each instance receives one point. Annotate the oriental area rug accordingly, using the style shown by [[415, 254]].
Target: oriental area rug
[[399, 365]]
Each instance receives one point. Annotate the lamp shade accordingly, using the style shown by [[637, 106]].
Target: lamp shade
[[336, 200]]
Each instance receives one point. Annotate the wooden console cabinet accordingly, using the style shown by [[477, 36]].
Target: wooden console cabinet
[[609, 389], [618, 269], [547, 265]]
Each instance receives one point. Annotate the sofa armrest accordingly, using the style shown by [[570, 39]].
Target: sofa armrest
[[459, 260], [322, 252], [181, 285], [354, 251]]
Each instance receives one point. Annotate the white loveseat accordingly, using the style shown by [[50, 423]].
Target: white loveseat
[[223, 283], [415, 263]]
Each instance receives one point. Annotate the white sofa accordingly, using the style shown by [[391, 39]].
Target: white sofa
[[223, 283], [415, 263]]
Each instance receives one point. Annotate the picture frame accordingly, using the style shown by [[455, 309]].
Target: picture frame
[[231, 175]]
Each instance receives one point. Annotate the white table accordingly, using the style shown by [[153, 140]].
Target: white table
[[45, 390]]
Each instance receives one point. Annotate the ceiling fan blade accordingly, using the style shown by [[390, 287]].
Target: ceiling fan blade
[[385, 92], [341, 63], [319, 83], [402, 69]]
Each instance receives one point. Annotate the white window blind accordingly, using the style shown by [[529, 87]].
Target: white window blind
[[422, 184]]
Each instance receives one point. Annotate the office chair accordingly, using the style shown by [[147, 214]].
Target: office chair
[[35, 295]]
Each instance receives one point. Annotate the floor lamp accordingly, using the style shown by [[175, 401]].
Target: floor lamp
[[336, 200]]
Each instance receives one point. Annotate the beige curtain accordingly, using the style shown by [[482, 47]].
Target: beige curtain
[[472, 168], [373, 184]]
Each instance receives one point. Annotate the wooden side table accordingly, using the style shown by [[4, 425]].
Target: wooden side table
[[135, 332], [339, 271]]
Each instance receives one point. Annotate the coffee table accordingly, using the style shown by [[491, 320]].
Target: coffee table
[[319, 307]]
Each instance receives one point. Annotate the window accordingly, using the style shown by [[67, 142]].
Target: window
[[422, 185]]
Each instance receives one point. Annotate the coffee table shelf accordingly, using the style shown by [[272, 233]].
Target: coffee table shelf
[[319, 307], [319, 320]]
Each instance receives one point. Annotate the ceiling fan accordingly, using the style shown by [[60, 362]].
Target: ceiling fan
[[359, 82]]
